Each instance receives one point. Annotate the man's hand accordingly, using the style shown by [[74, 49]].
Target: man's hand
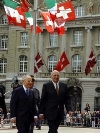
[[13, 120], [41, 117]]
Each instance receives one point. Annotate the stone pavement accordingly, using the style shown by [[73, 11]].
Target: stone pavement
[[44, 129]]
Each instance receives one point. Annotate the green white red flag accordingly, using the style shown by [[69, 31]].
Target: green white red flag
[[14, 13], [52, 8], [30, 20]]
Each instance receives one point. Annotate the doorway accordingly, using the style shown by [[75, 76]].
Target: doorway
[[97, 103]]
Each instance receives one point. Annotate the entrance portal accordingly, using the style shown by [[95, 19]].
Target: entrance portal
[[75, 95]]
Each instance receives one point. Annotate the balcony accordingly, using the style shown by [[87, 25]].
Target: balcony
[[71, 75]]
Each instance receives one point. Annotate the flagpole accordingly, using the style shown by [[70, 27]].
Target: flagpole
[[33, 39]]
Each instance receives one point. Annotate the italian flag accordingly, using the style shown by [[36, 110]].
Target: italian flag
[[14, 13], [30, 20], [52, 8]]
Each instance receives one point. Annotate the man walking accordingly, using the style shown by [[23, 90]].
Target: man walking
[[54, 96], [22, 105]]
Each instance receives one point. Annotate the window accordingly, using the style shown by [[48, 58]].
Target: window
[[79, 11], [53, 39], [78, 37], [23, 63], [76, 63], [3, 65], [3, 41], [52, 60], [98, 64], [3, 19], [24, 39], [99, 37], [99, 9]]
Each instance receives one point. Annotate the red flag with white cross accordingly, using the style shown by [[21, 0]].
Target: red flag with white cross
[[62, 63], [66, 11], [48, 22], [90, 63], [38, 62]]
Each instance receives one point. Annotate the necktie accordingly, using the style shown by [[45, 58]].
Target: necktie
[[27, 92], [57, 89]]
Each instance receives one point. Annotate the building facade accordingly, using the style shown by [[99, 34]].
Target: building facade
[[82, 35]]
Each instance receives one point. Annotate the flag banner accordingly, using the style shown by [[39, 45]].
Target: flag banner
[[90, 63], [62, 63], [38, 62], [66, 11], [24, 5], [48, 22], [14, 13], [30, 20]]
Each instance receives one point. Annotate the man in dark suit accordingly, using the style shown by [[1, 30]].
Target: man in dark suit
[[54, 97], [2, 100], [22, 105]]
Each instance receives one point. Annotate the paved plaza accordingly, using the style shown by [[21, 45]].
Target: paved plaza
[[61, 130]]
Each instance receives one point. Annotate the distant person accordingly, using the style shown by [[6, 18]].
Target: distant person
[[15, 84], [22, 105], [87, 107], [54, 97], [37, 102], [2, 101]]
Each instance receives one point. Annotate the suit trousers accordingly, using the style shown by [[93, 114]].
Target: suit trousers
[[54, 124], [23, 126]]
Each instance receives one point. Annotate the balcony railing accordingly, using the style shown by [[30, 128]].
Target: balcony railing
[[75, 75]]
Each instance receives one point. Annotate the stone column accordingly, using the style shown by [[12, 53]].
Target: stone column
[[63, 44], [88, 42]]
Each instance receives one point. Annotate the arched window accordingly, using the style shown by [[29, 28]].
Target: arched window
[[52, 60], [76, 63], [79, 11], [98, 63], [23, 61], [3, 65], [3, 19]]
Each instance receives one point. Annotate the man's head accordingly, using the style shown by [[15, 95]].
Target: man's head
[[27, 81], [55, 76]]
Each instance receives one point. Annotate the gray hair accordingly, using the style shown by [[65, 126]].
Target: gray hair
[[54, 72], [25, 77]]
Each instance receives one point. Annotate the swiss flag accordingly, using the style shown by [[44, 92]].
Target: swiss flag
[[59, 26], [62, 63], [90, 63], [24, 5], [38, 62], [19, 19], [48, 22], [66, 11]]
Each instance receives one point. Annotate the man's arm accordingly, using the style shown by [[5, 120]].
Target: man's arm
[[43, 102]]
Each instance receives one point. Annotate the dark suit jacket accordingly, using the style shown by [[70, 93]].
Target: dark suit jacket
[[50, 101], [21, 106]]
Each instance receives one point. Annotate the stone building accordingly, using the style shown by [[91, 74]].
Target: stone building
[[81, 36]]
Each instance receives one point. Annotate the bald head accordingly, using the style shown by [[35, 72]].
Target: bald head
[[55, 76]]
